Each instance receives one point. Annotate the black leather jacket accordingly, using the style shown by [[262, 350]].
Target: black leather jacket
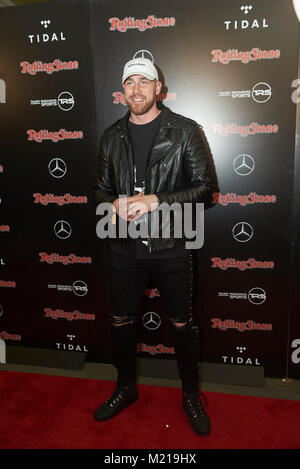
[[177, 170]]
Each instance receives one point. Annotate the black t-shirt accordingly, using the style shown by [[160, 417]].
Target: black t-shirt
[[142, 137]]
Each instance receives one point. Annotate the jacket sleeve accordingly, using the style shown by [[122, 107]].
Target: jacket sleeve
[[103, 190], [197, 169]]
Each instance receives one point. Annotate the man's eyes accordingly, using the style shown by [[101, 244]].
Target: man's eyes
[[143, 82]]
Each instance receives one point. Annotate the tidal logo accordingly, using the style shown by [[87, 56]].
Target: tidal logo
[[2, 92], [240, 360], [71, 347], [245, 24], [46, 37]]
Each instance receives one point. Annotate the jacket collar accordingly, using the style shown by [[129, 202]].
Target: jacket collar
[[161, 135]]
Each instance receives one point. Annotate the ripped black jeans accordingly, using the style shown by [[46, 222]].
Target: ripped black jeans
[[173, 277]]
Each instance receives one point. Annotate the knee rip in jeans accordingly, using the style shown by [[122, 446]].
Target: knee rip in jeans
[[119, 321], [182, 326]]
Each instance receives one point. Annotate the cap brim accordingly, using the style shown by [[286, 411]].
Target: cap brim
[[146, 75]]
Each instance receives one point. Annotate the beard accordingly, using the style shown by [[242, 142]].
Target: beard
[[140, 108]]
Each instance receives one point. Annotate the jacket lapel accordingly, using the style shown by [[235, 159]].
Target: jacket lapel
[[161, 138], [127, 144]]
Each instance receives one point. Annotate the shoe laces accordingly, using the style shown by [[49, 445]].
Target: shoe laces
[[115, 397], [194, 402]]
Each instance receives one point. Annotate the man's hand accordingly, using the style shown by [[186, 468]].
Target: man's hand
[[130, 208], [140, 204]]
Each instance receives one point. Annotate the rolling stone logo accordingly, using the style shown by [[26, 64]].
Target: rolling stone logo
[[9, 336], [65, 260], [60, 200], [49, 68], [61, 135], [241, 265], [243, 200], [240, 326], [155, 349], [141, 24], [245, 130], [7, 283], [253, 55], [69, 316]]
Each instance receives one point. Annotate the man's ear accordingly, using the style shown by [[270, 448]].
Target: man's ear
[[158, 87]]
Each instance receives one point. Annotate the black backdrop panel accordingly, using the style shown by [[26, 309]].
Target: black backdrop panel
[[294, 325], [51, 251], [249, 119]]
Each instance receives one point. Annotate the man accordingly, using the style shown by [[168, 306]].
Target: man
[[152, 156]]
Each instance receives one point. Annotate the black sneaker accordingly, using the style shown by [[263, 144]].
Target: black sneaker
[[198, 418], [121, 398]]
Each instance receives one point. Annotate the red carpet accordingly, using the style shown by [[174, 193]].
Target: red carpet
[[40, 412]]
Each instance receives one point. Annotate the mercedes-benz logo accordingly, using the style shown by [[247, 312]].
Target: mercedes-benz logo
[[62, 229], [57, 168], [261, 92], [80, 288], [257, 296], [243, 165], [65, 101], [242, 232], [151, 321], [143, 53]]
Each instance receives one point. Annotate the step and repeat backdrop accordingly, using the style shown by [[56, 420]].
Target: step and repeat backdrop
[[232, 67]]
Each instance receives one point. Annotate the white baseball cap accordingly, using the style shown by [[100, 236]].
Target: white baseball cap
[[140, 66]]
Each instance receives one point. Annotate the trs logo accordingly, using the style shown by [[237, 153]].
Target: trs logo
[[296, 353], [2, 92], [2, 351]]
